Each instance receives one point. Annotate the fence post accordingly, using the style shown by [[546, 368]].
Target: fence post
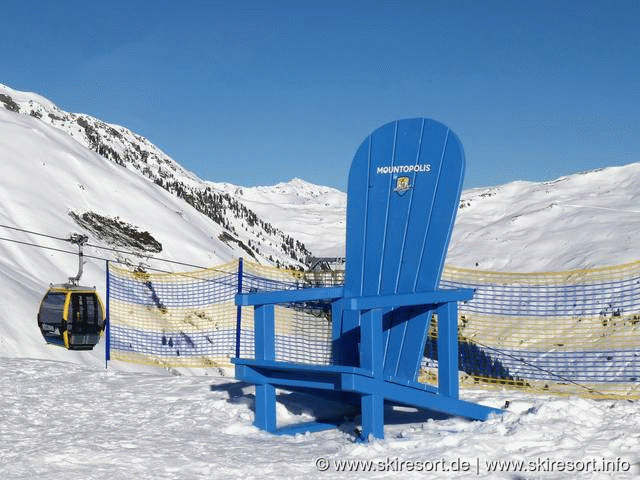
[[107, 346], [239, 310]]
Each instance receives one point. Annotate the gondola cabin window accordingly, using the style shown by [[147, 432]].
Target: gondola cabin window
[[86, 313], [52, 311]]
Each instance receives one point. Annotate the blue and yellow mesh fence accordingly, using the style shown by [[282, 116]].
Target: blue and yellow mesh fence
[[573, 332], [177, 319], [190, 320]]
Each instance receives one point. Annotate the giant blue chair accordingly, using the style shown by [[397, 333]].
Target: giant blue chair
[[404, 190]]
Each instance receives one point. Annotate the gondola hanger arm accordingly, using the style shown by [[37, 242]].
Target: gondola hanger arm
[[79, 240]]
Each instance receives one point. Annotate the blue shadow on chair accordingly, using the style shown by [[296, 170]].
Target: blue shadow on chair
[[404, 190]]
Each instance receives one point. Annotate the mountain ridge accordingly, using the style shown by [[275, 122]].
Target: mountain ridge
[[570, 222], [258, 238]]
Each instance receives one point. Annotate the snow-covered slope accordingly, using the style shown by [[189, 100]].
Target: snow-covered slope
[[260, 240], [313, 214], [48, 179], [584, 220], [63, 173]]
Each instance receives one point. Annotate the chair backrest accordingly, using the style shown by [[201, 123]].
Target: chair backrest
[[404, 190]]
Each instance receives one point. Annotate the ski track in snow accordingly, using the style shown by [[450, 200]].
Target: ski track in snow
[[62, 420]]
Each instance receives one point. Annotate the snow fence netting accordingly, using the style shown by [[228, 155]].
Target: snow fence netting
[[571, 332], [189, 319], [575, 332]]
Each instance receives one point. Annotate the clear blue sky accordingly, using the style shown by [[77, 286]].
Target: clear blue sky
[[255, 93]]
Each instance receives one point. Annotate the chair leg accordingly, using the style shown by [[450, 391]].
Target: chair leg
[[448, 350], [372, 416], [265, 415]]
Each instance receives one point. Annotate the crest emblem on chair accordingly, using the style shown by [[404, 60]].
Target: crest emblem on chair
[[403, 185]]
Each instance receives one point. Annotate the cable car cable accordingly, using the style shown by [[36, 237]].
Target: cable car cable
[[126, 252], [121, 262], [34, 233], [116, 250]]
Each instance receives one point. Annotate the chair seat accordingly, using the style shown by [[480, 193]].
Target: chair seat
[[285, 374]]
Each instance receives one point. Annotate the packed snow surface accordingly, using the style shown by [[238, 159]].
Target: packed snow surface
[[61, 420]]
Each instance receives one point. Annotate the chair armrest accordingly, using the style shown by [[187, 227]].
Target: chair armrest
[[409, 299], [289, 296]]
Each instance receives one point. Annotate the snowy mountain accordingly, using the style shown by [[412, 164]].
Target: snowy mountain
[[313, 214], [584, 220], [54, 185], [65, 173], [258, 238], [578, 221]]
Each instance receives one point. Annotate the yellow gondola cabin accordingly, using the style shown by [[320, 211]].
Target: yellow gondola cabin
[[71, 316]]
